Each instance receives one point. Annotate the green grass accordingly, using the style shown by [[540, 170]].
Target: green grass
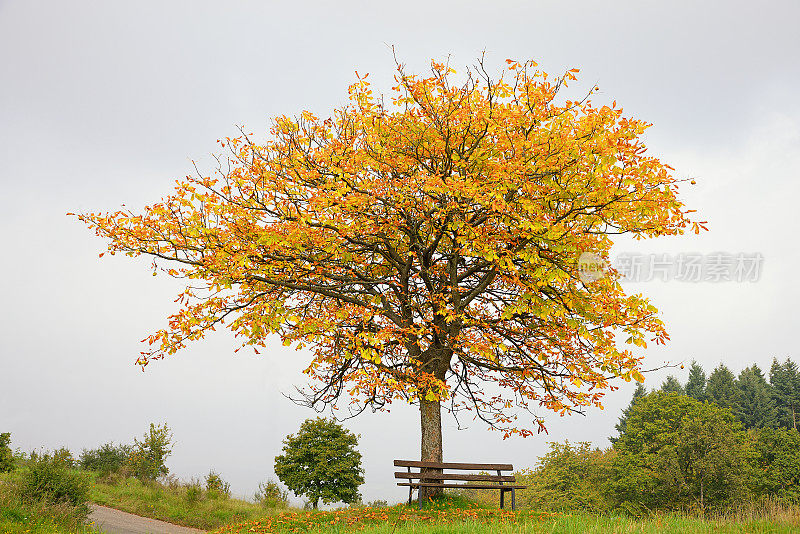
[[172, 503], [456, 518]]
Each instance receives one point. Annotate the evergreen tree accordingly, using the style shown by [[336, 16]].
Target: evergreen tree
[[672, 385], [638, 393], [755, 403], [721, 388], [696, 384], [785, 381]]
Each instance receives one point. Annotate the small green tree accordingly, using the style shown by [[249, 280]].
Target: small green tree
[[321, 462], [677, 452], [147, 461], [6, 456], [696, 384]]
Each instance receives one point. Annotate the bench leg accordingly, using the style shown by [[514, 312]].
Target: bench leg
[[419, 493], [410, 489], [502, 499], [513, 499]]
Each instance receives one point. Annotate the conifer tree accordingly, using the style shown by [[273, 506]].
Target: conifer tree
[[785, 381], [638, 393], [672, 384], [755, 406], [721, 388], [696, 384]]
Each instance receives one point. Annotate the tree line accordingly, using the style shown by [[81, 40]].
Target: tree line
[[754, 401], [716, 442]]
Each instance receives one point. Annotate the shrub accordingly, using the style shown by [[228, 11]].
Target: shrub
[[6, 456], [148, 456], [194, 491], [271, 495], [48, 479], [64, 457], [106, 459], [216, 486], [569, 477]]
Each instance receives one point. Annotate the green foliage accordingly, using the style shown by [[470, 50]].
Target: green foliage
[[63, 456], [148, 457], [106, 459], [216, 486], [321, 462], [47, 478], [755, 406], [271, 495], [638, 393], [696, 384], [6, 456], [777, 463], [677, 452], [569, 477], [785, 381], [672, 385], [194, 491], [721, 388]]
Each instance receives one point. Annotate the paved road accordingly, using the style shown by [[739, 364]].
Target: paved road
[[115, 522]]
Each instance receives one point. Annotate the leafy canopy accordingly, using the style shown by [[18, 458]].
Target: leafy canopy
[[422, 243], [321, 462], [680, 451]]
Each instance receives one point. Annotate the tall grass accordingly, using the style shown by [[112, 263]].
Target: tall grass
[[176, 502]]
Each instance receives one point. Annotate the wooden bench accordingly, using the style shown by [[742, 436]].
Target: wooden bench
[[434, 476]]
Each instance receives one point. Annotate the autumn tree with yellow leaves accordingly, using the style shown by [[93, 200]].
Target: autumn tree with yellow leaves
[[424, 246]]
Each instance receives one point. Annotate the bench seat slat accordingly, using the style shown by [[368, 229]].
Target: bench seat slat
[[461, 486], [435, 465], [456, 476]]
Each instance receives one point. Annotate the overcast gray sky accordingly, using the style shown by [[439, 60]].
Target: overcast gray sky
[[105, 103]]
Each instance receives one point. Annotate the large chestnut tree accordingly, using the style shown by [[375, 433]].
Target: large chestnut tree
[[424, 246]]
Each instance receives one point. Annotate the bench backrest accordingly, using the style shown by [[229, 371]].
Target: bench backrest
[[461, 466], [480, 477]]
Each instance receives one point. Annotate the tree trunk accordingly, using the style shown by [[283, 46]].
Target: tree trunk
[[431, 448]]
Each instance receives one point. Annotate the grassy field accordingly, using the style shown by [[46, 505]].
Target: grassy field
[[455, 515], [460, 519]]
